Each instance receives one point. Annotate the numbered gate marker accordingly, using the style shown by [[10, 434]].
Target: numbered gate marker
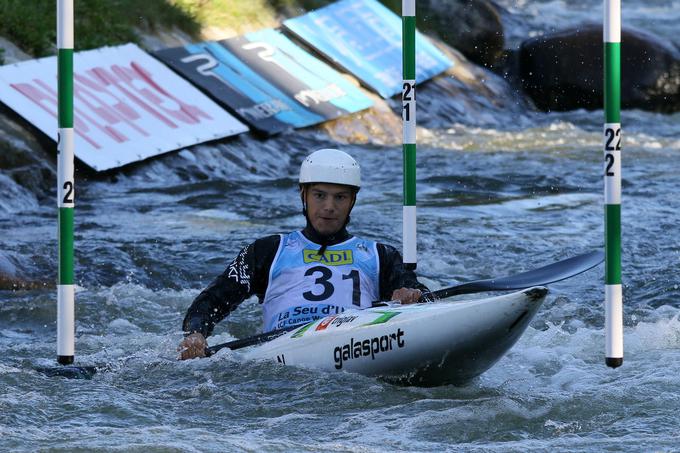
[[408, 97], [612, 184], [65, 185]]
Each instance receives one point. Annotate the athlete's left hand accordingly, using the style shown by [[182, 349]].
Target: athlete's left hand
[[406, 295]]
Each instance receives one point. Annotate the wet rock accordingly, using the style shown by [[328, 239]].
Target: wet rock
[[11, 53], [469, 94], [28, 171], [471, 26], [161, 39], [564, 71], [466, 93], [9, 278], [378, 125]]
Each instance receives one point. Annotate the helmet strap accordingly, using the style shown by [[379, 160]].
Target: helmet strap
[[303, 192]]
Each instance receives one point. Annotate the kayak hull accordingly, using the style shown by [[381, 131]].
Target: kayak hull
[[421, 344]]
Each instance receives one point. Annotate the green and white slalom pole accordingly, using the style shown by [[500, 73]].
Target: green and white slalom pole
[[65, 185], [613, 306], [408, 97]]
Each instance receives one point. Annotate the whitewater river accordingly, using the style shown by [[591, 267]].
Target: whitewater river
[[499, 192]]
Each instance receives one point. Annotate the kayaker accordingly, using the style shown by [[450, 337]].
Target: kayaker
[[308, 274]]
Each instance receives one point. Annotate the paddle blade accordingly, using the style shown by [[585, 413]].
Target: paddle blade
[[537, 277]]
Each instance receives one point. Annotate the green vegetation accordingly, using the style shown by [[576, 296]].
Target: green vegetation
[[233, 14], [31, 24]]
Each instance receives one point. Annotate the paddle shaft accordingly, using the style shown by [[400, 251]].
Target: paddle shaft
[[542, 276], [250, 341]]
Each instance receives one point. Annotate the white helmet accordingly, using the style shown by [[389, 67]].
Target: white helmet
[[330, 166]]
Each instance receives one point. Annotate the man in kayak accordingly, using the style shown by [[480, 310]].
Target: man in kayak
[[308, 274]]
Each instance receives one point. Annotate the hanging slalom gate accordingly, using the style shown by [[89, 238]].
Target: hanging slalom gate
[[612, 183], [408, 97], [65, 185]]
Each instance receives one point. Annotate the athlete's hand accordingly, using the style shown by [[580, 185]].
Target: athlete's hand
[[192, 346], [406, 295]]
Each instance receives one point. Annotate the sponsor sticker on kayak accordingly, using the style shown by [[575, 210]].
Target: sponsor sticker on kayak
[[383, 318], [336, 321], [330, 321], [324, 323], [369, 347], [302, 331]]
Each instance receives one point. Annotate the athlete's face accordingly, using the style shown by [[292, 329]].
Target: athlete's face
[[328, 206]]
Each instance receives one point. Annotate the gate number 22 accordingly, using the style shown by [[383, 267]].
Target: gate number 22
[[611, 135]]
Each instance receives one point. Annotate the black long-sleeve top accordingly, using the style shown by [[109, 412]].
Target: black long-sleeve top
[[248, 275]]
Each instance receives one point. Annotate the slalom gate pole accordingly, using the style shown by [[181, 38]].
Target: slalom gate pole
[[65, 185], [613, 305], [408, 97]]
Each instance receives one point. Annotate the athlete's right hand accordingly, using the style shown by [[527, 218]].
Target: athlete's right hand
[[192, 346]]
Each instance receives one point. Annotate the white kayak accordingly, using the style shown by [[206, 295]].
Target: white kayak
[[421, 344]]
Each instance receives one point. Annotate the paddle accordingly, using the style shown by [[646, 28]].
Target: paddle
[[542, 276]]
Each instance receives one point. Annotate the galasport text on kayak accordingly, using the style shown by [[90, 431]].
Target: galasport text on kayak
[[368, 347]]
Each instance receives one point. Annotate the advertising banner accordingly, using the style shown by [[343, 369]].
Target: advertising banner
[[127, 105], [364, 38], [267, 80]]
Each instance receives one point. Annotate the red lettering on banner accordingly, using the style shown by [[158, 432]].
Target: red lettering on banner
[[113, 100], [46, 99], [81, 94], [188, 113], [99, 81], [106, 104], [109, 78], [80, 126]]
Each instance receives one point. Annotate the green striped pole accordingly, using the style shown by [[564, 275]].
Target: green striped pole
[[65, 185], [408, 98], [613, 306]]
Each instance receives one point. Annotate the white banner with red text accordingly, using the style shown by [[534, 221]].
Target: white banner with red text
[[127, 105]]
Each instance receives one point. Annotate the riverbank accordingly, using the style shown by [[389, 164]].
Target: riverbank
[[161, 24], [29, 25]]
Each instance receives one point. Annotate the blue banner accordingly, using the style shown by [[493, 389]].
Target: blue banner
[[267, 80], [364, 38]]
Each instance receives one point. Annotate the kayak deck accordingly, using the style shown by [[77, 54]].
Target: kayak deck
[[421, 344]]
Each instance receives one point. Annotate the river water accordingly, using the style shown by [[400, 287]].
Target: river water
[[499, 191]]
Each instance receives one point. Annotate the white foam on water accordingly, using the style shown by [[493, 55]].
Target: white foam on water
[[15, 198], [122, 326], [5, 369]]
